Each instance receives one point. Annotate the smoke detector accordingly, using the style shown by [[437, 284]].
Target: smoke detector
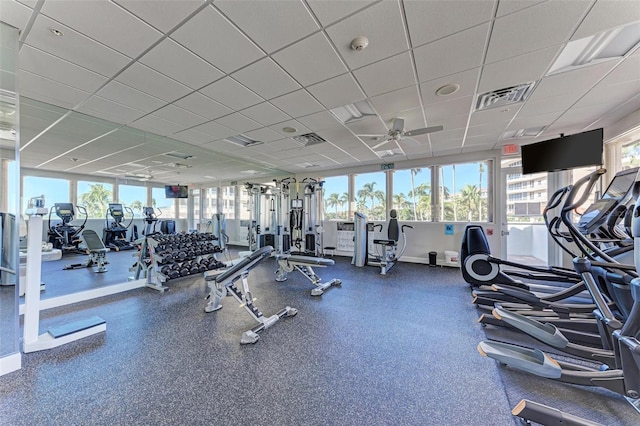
[[359, 43]]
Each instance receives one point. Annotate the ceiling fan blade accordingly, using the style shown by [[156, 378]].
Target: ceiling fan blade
[[380, 144], [398, 125], [423, 131]]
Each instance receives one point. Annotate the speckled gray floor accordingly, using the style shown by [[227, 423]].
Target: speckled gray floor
[[396, 349]]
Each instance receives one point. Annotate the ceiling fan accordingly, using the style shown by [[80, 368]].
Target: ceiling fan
[[397, 132]]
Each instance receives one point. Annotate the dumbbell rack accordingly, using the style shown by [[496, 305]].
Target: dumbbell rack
[[180, 255]]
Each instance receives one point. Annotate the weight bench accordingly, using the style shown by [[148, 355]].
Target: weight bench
[[224, 283], [305, 264], [97, 252]]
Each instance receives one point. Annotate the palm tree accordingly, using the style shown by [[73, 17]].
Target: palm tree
[[368, 191], [470, 197], [344, 199], [136, 205], [480, 170], [96, 200], [333, 201], [413, 173]]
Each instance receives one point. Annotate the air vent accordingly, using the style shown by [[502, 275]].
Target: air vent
[[503, 97], [309, 139], [179, 155], [179, 165]]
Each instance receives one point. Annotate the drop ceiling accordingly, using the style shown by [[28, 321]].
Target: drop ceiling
[[130, 81]]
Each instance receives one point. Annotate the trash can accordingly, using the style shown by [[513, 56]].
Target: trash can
[[432, 258]]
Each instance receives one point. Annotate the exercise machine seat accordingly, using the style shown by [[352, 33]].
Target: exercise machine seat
[[393, 231]]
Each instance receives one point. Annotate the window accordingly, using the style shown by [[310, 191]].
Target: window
[[336, 197], [210, 203], [630, 155], [464, 192], [54, 190], [165, 206], [229, 201], [370, 195], [195, 196], [95, 197], [183, 208], [245, 204], [412, 194], [134, 197]]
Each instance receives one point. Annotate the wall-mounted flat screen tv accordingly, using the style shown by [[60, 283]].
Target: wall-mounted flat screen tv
[[176, 191], [563, 153]]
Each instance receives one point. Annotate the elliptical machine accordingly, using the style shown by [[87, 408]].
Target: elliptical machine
[[64, 235], [115, 234]]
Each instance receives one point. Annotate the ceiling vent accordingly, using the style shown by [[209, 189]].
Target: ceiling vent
[[179, 155], [531, 132], [179, 165], [504, 97], [309, 139], [389, 153], [242, 141]]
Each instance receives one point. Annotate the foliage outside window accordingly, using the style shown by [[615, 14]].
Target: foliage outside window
[[630, 155], [412, 194], [95, 197], [165, 207], [54, 190], [229, 201], [134, 197], [336, 197], [463, 192], [370, 195]]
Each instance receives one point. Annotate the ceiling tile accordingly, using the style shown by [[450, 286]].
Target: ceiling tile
[[179, 116], [338, 91], [109, 110], [297, 103], [368, 126], [387, 75], [539, 105], [517, 70], [533, 121], [271, 25], [265, 114], [97, 19], [184, 66], [238, 122], [607, 14], [571, 82], [445, 109], [203, 105], [15, 14], [320, 121], [628, 70], [215, 130], [263, 135], [452, 54], [467, 81], [431, 20], [382, 25], [75, 47], [499, 117], [329, 12], [131, 97], [307, 68], [54, 68], [192, 136], [396, 101], [301, 130], [507, 7], [152, 82], [231, 93], [163, 15], [266, 78], [45, 90], [157, 125], [197, 35], [544, 25]]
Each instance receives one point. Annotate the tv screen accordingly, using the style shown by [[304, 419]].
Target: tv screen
[[176, 191], [566, 152]]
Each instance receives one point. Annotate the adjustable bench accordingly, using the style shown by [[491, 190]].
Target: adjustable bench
[[305, 264], [225, 283], [97, 252]]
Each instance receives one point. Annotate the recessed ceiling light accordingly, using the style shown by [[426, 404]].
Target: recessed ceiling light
[[289, 129], [448, 89], [56, 32]]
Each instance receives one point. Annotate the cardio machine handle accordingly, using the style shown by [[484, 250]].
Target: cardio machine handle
[[557, 197], [588, 182], [405, 226]]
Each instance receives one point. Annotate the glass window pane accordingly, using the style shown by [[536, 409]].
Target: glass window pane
[[54, 190], [336, 197], [245, 207], [630, 155], [464, 192], [210, 203], [195, 196], [165, 206], [183, 206], [370, 195], [412, 193], [95, 197], [134, 197], [229, 201]]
